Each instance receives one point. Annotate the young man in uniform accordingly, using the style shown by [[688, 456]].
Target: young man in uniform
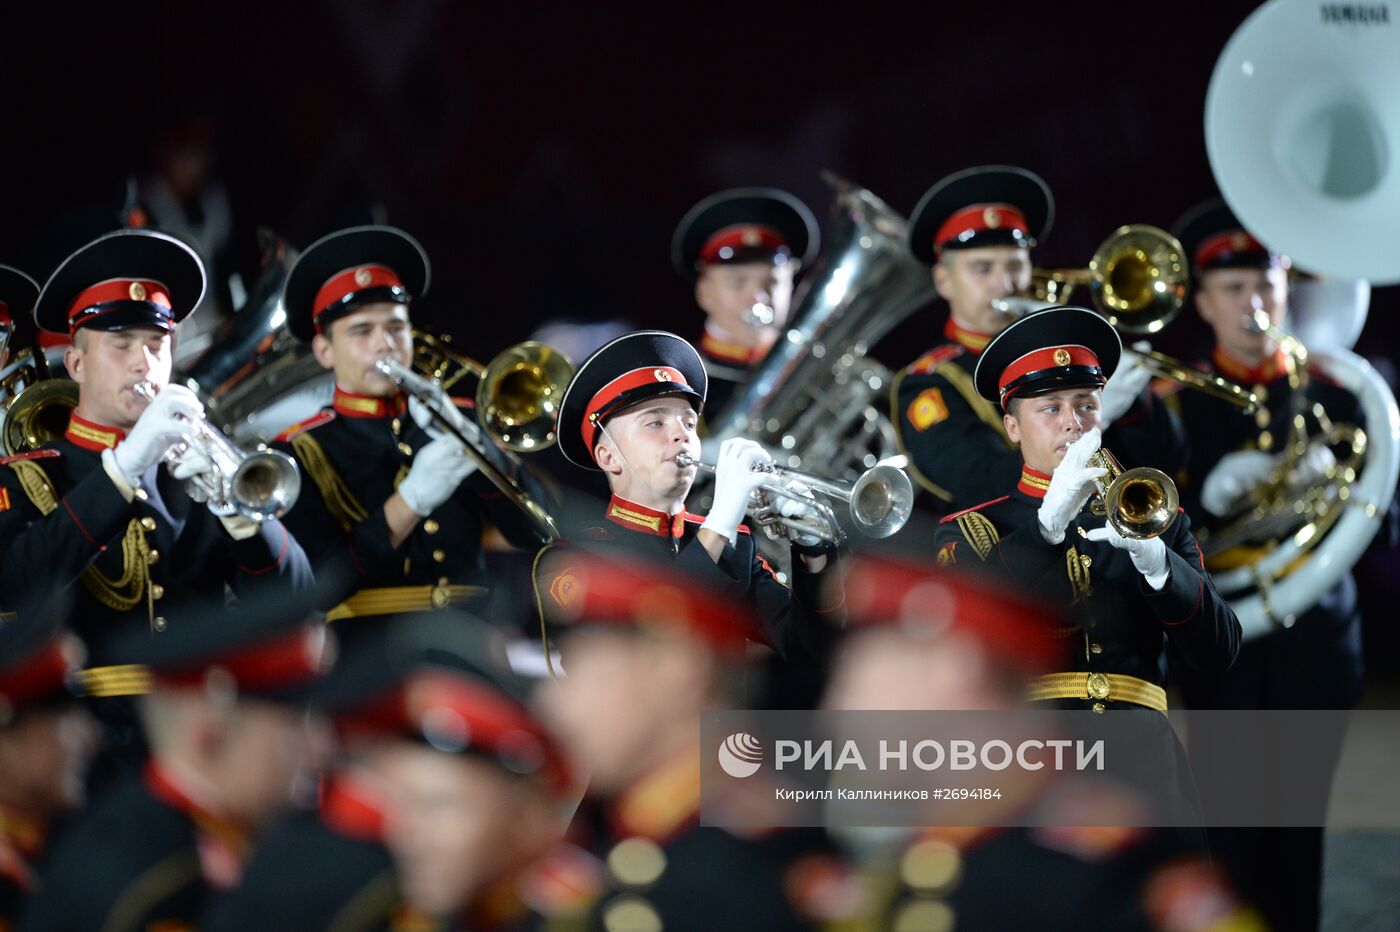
[[93, 516], [743, 248], [976, 228], [1317, 663], [230, 744], [395, 509], [631, 409]]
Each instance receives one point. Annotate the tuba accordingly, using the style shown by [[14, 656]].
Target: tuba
[[1302, 123], [816, 400], [38, 414], [1300, 115]]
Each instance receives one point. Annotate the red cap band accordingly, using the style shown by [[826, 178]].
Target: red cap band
[[43, 674], [742, 236], [1054, 357], [1231, 242], [626, 382], [979, 218], [453, 712], [117, 289], [276, 664], [351, 281]]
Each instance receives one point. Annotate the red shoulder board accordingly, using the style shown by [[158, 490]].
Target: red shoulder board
[[324, 417], [939, 354], [31, 455], [958, 514]]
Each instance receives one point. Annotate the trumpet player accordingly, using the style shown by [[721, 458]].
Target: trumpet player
[[975, 229], [395, 510], [742, 248], [630, 411], [91, 518], [1046, 374], [1317, 663]]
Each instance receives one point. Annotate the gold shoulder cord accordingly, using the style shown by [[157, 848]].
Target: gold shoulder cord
[[984, 409], [122, 594], [980, 533], [1077, 567], [340, 502]]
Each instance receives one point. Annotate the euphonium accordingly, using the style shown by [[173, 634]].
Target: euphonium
[[261, 485], [879, 502]]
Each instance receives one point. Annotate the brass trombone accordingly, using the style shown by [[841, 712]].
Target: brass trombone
[[1137, 280], [38, 414]]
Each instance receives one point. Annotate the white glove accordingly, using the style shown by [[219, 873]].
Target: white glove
[[1070, 488], [1128, 381], [438, 468], [735, 480], [1316, 462], [791, 508], [423, 417], [1233, 478], [164, 423], [1149, 556]]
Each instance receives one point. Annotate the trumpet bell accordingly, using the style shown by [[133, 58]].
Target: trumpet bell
[[517, 400], [1139, 278], [882, 500], [1302, 127], [1141, 503], [265, 485]]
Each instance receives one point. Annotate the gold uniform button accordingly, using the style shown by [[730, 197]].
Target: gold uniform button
[[1098, 686], [1266, 442], [636, 862], [1098, 707], [440, 597], [924, 916], [158, 623], [396, 425], [1096, 648], [439, 556], [157, 591], [931, 866], [139, 493], [153, 558], [1261, 393], [1262, 417], [631, 914], [148, 524], [430, 526], [405, 449]]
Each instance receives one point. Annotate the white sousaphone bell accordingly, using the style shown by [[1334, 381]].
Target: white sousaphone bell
[[1302, 125]]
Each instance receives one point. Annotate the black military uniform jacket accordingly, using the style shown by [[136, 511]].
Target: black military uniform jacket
[[65, 527], [321, 870], [794, 620], [1124, 625], [133, 862], [727, 365], [353, 456], [957, 445], [685, 877]]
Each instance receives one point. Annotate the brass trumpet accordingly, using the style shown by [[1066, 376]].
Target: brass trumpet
[[879, 502], [1139, 503], [261, 485]]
